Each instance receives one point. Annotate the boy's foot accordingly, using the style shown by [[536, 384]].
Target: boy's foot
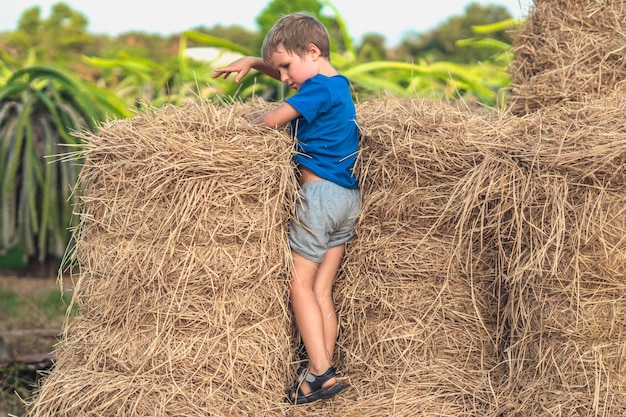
[[309, 387]]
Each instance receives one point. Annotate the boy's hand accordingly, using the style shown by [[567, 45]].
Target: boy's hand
[[241, 66]]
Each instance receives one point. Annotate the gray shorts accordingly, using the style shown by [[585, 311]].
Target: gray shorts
[[326, 215]]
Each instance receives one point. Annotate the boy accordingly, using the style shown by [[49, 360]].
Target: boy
[[322, 115]]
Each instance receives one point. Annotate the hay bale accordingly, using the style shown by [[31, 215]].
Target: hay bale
[[460, 283], [562, 262], [419, 309], [183, 263], [486, 278], [568, 50]]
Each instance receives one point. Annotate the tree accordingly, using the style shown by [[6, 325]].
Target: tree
[[27, 35], [372, 48], [276, 8], [440, 44], [58, 38]]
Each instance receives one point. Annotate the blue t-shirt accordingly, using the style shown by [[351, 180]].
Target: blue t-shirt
[[326, 134]]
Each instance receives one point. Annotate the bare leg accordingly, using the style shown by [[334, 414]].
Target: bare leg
[[323, 289], [311, 299]]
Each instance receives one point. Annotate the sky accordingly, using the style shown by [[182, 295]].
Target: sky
[[389, 18]]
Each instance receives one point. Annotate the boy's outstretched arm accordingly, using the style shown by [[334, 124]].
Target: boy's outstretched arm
[[281, 115], [243, 65]]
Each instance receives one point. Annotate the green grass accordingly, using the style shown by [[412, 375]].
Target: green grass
[[22, 311]]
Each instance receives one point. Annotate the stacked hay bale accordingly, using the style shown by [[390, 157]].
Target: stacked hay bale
[[487, 278], [568, 50], [183, 261], [562, 260], [563, 264], [489, 242], [418, 300]]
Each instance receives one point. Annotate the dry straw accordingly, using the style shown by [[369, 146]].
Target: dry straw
[[568, 50], [561, 256], [487, 278], [182, 257]]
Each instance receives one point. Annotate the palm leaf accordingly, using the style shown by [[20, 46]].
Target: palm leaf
[[40, 107]]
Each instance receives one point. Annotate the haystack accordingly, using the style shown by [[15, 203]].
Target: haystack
[[486, 279], [562, 256], [419, 304], [565, 275], [568, 50], [183, 262]]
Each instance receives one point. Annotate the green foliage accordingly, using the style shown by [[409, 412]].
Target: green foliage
[[211, 40], [55, 38], [370, 73], [266, 87], [39, 108], [12, 259], [139, 82], [47, 308], [440, 44], [16, 384], [487, 42], [136, 44], [143, 83], [139, 69], [372, 48], [235, 34], [441, 80]]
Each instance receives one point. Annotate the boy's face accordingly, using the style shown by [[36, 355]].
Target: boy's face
[[294, 70]]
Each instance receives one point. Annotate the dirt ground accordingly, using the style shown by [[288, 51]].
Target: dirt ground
[[31, 284], [34, 280], [32, 317], [29, 318]]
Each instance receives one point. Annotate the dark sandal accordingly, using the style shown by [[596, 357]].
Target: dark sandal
[[316, 382]]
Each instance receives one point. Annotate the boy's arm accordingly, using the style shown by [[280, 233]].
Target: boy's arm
[[243, 65], [280, 116]]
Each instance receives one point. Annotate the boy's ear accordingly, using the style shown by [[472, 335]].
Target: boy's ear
[[313, 50]]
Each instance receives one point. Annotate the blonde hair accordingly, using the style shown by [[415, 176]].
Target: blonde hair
[[295, 32]]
